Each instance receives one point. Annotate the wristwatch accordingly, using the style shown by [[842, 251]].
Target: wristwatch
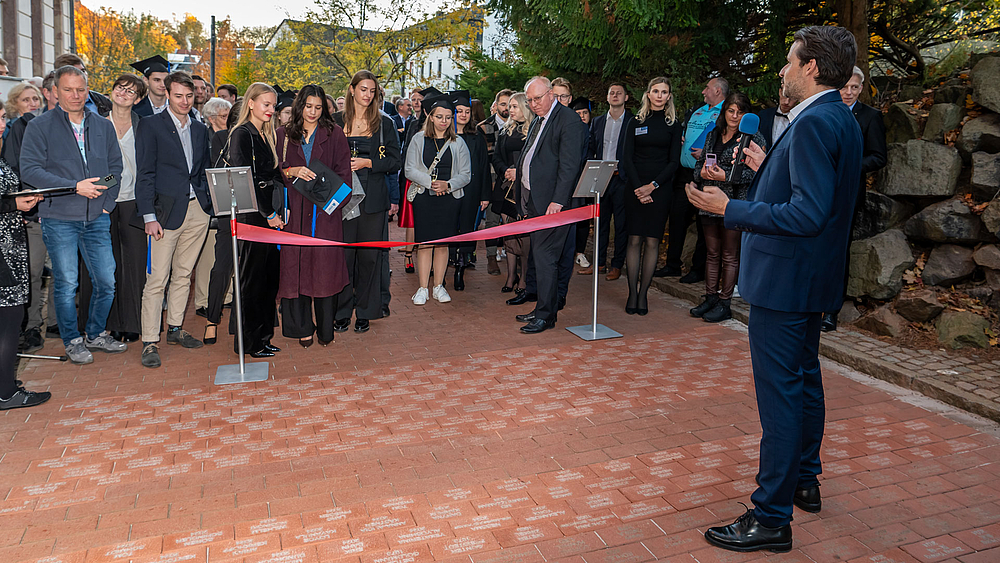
[[655, 185]]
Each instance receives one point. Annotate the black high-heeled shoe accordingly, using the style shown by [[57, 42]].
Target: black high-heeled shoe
[[209, 341], [409, 263]]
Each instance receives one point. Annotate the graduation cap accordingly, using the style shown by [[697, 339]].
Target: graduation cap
[[460, 98], [153, 64], [430, 92], [278, 89], [439, 101], [581, 102], [285, 100]]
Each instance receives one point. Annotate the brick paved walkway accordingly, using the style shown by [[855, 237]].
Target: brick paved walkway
[[445, 435]]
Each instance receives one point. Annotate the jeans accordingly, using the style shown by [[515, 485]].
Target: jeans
[[65, 240]]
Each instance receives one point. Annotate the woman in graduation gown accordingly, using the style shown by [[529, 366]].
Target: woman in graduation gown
[[311, 277], [374, 146], [510, 143], [252, 143], [478, 191]]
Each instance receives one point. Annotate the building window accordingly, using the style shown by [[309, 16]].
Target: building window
[[439, 68], [421, 71]]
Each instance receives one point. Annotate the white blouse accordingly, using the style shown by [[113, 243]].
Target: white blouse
[[127, 145]]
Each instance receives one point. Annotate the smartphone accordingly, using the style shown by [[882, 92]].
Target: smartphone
[[710, 160], [108, 181]]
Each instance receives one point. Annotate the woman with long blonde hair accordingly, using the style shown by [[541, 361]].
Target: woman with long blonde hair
[[374, 146], [508, 148], [651, 155], [252, 143]]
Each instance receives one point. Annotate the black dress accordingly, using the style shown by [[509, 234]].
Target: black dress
[[436, 216], [652, 152], [259, 263], [505, 155], [479, 188]]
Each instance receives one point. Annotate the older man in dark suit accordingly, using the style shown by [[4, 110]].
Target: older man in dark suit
[[171, 196], [797, 227], [874, 158], [549, 168]]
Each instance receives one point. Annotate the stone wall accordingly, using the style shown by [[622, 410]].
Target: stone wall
[[929, 226]]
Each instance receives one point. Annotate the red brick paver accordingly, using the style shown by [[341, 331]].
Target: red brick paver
[[445, 435]]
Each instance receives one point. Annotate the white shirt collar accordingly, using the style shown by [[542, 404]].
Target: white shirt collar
[[854, 104], [801, 106], [620, 117], [500, 121], [177, 122]]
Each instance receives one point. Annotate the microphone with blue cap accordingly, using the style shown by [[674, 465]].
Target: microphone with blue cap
[[749, 124]]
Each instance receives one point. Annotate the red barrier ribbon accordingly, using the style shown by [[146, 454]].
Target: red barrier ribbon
[[253, 233]]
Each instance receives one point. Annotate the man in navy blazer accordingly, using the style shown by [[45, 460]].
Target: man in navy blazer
[[608, 143], [797, 225], [171, 196]]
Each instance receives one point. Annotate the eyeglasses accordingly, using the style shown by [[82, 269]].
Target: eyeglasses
[[564, 97], [126, 89], [537, 99]]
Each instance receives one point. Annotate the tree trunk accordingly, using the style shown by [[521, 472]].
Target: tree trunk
[[853, 16]]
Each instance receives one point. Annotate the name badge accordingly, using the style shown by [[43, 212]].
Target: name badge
[[641, 130]]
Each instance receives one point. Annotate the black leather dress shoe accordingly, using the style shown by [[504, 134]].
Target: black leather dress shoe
[[537, 325], [262, 353], [201, 312], [562, 303], [341, 325], [808, 499], [361, 325], [272, 347], [694, 276], [667, 272], [385, 311], [829, 322], [522, 298], [526, 318], [747, 534]]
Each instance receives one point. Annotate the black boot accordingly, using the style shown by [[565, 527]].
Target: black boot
[[706, 305], [460, 274], [721, 312]]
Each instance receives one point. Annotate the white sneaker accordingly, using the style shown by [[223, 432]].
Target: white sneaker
[[441, 294], [582, 261], [420, 297]]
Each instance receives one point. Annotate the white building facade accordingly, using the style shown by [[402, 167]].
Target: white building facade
[[33, 33]]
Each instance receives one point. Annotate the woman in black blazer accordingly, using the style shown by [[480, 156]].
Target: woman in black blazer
[[650, 157], [477, 192], [374, 146], [506, 153], [252, 143]]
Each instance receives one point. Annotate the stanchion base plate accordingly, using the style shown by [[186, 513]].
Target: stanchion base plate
[[587, 332], [253, 371]]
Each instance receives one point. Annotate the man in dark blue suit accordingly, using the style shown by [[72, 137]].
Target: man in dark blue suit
[[171, 197], [607, 143], [797, 226]]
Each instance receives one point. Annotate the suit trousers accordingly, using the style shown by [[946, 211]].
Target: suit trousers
[[784, 350], [36, 264], [565, 267], [172, 258], [203, 270], [613, 205], [547, 247]]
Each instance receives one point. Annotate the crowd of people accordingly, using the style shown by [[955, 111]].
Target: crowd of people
[[139, 228]]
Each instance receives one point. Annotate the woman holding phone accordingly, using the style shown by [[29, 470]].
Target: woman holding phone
[[651, 155], [715, 168]]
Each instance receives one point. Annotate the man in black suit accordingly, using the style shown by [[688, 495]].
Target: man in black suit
[[155, 69], [608, 143], [547, 172], [171, 196], [875, 157], [774, 121]]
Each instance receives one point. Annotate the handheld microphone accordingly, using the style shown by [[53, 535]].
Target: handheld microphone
[[749, 124]]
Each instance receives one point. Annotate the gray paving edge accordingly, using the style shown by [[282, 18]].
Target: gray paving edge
[[857, 359]]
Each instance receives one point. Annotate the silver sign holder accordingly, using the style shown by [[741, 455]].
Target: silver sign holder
[[593, 182], [236, 185]]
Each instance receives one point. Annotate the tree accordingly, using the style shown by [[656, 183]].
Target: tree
[[102, 43], [486, 76], [348, 36], [149, 35]]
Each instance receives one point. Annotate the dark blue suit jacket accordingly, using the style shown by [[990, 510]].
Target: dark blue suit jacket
[[596, 148], [798, 217], [161, 168]]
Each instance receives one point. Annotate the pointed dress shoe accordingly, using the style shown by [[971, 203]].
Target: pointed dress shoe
[[522, 298], [747, 534], [537, 325], [526, 317]]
